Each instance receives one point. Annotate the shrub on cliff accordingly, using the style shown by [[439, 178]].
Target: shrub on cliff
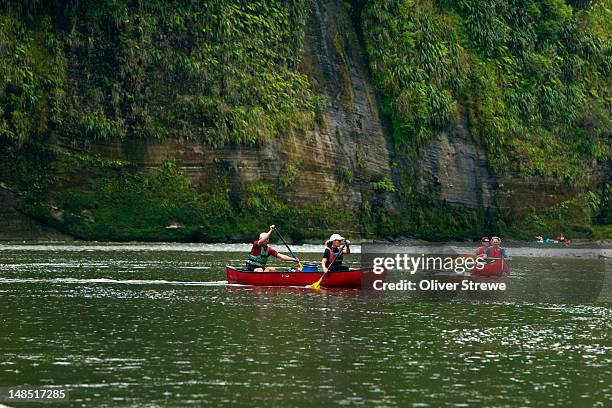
[[161, 205]]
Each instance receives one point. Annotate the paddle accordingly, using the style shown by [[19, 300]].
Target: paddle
[[317, 284], [289, 249]]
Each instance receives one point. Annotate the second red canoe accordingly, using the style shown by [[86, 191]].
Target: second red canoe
[[495, 268]]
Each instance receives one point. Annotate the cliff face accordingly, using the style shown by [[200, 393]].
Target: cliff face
[[455, 170], [350, 138], [352, 131], [348, 144], [295, 110]]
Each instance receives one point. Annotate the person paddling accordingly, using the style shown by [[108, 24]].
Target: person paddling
[[485, 244], [258, 257], [334, 254], [495, 251]]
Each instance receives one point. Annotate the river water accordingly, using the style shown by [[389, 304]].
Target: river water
[[157, 325]]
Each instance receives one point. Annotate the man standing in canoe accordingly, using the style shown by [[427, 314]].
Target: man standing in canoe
[[258, 257], [333, 251]]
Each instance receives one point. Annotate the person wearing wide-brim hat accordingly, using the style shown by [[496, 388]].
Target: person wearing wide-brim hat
[[334, 253]]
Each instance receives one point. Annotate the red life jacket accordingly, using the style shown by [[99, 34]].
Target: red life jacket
[[494, 252], [481, 250]]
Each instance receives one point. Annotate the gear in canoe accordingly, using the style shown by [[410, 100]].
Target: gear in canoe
[[351, 278], [335, 275]]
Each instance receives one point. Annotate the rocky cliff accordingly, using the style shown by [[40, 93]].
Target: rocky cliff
[[454, 169], [348, 139], [290, 112]]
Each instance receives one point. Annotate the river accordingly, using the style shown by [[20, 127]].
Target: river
[[157, 325]]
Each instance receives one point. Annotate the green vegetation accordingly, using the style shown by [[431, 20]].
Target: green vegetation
[[383, 186], [288, 177], [572, 217], [96, 199], [532, 78], [219, 71], [425, 220], [262, 205], [31, 77], [223, 72], [139, 206]]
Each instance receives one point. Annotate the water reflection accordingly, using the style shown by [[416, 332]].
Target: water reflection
[[161, 328]]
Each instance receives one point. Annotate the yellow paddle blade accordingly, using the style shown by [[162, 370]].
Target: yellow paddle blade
[[317, 284]]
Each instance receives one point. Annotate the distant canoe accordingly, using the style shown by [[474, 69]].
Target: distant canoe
[[549, 244], [354, 278], [496, 268]]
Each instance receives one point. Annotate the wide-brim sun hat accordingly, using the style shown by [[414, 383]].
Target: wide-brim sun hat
[[335, 237]]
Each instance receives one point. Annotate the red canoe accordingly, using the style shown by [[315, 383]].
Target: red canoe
[[495, 268], [353, 278]]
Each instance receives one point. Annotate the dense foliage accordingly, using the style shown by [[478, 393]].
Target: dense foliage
[[220, 71], [532, 77]]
